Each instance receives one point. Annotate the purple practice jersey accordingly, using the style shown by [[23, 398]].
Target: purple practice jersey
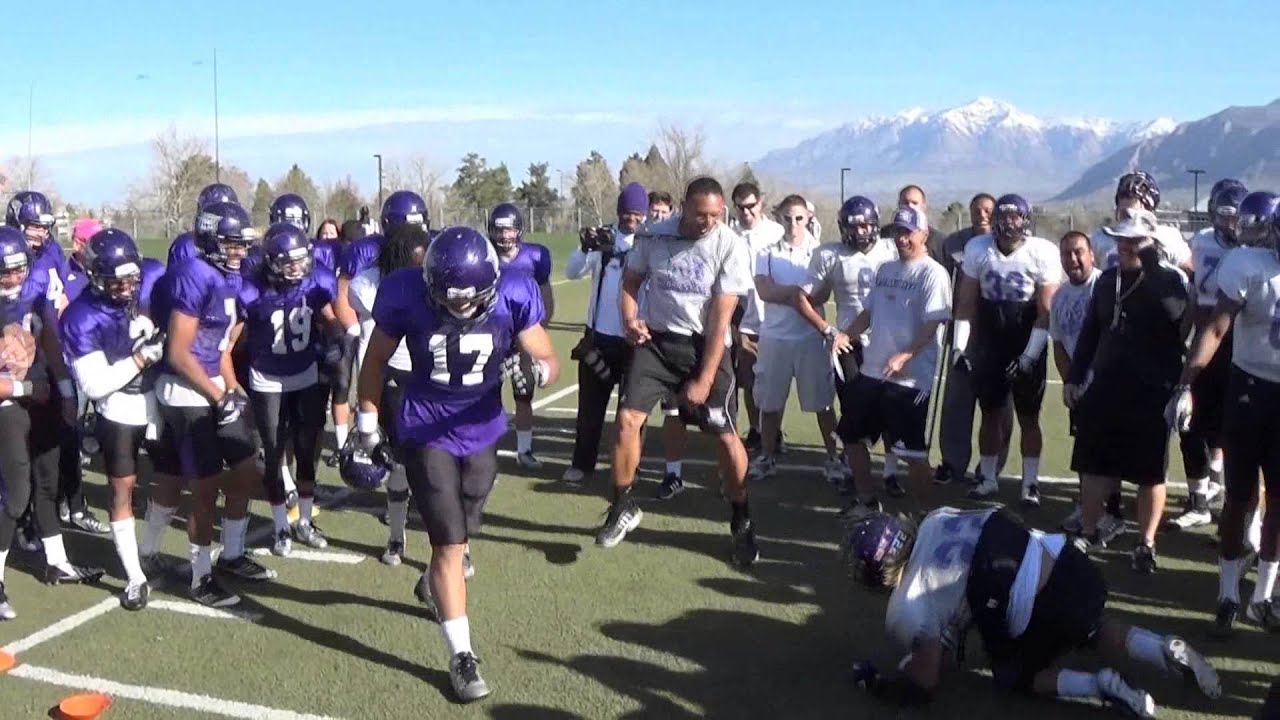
[[183, 248], [325, 253], [279, 323], [152, 271], [361, 255], [76, 279], [531, 259], [198, 289], [454, 398], [91, 324], [32, 303]]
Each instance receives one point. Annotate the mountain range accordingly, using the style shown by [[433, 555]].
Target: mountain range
[[986, 145]]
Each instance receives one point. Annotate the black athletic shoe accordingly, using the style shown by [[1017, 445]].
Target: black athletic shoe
[[944, 475], [1144, 559], [135, 597], [624, 516], [752, 442], [245, 568], [464, 675], [1224, 619], [671, 486], [745, 550], [210, 593], [72, 575]]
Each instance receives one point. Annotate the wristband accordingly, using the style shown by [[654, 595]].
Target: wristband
[[829, 331], [19, 389], [367, 422], [961, 336], [67, 389], [1036, 343]]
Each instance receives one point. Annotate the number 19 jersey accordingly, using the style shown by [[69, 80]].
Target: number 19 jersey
[[279, 322], [454, 398]]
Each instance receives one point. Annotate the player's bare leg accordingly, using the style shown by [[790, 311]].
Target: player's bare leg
[[864, 484], [1151, 501]]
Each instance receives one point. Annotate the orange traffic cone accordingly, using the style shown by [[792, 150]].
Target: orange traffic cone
[[85, 706]]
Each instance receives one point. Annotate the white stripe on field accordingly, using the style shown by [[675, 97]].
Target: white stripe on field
[[190, 608], [161, 696], [342, 558], [62, 627], [562, 392]]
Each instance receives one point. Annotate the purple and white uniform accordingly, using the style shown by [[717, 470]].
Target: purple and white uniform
[[531, 259], [197, 289], [279, 324], [361, 255]]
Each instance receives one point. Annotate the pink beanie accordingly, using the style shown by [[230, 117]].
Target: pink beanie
[[84, 229]]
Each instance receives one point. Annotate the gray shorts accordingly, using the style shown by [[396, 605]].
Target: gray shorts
[[807, 362]]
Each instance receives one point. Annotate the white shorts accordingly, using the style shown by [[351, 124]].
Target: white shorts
[[806, 361]]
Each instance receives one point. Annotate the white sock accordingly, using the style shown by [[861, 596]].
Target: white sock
[[4, 560], [457, 635], [1266, 582], [1145, 646], [1199, 486], [340, 434], [126, 539], [158, 517], [233, 537], [890, 463], [1229, 579], [1076, 684], [1215, 469], [280, 517], [305, 506], [287, 477], [55, 553], [988, 466], [524, 441], [673, 468], [201, 563], [1030, 471], [397, 517], [1253, 536]]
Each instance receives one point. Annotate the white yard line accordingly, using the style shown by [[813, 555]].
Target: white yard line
[[160, 696], [562, 392], [342, 558], [190, 608]]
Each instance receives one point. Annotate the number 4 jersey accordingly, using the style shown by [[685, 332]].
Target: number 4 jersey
[[454, 399], [279, 323]]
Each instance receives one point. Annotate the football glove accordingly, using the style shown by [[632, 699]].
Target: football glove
[[150, 348], [230, 408], [1022, 366], [524, 373], [1178, 411]]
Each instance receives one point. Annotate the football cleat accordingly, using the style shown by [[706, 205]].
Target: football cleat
[[1031, 495], [985, 488], [283, 544], [1110, 527], [762, 467], [1224, 619], [1264, 614], [528, 460], [308, 534], [6, 610], [69, 574], [422, 591], [1182, 659], [394, 554], [672, 485], [464, 675], [624, 516], [245, 568], [835, 471], [88, 522], [1144, 559], [745, 550], [1116, 691], [135, 597], [210, 593]]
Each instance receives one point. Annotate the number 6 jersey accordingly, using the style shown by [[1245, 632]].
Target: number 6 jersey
[[454, 398], [279, 322]]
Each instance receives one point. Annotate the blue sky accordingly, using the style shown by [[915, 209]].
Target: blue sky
[[754, 74]]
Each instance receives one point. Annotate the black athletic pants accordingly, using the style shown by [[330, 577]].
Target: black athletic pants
[[593, 398], [29, 466], [294, 418]]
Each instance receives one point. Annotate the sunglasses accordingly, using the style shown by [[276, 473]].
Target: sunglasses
[[743, 207]]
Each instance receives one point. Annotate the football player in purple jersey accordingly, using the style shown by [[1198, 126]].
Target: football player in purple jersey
[[110, 345], [199, 400], [280, 304], [28, 413], [515, 256], [183, 246], [461, 324]]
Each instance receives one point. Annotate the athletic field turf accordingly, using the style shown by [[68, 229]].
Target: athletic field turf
[[661, 626]]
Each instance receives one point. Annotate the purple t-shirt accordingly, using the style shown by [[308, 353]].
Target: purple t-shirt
[[531, 259], [361, 255], [198, 289], [279, 322], [454, 398]]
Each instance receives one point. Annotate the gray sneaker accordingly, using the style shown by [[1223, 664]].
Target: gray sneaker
[[283, 544], [624, 516], [308, 534], [394, 554], [464, 675]]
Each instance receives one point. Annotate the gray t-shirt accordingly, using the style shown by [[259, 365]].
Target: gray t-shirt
[[848, 274], [684, 274], [1067, 310], [906, 297]]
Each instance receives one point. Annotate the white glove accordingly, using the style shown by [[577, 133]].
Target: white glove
[[150, 349], [1022, 366], [1178, 411]]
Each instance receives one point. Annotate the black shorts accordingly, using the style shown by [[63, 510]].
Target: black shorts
[[394, 383], [451, 491], [120, 445], [1121, 431], [1067, 615], [875, 408], [1209, 396], [661, 367], [1252, 437], [212, 446], [992, 384]]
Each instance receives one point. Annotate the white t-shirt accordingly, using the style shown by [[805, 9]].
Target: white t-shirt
[[906, 297], [765, 233], [786, 264], [683, 275], [1206, 257], [1251, 276], [362, 292], [848, 274], [580, 264], [1068, 309], [1013, 277], [1173, 247]]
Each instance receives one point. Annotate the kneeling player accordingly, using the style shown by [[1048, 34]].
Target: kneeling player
[[1034, 598], [451, 416], [111, 344]]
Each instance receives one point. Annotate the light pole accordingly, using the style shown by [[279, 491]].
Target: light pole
[[31, 104], [842, 172], [217, 157], [379, 157], [1195, 174]]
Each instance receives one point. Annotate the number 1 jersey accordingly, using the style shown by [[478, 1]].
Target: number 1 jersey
[[454, 398]]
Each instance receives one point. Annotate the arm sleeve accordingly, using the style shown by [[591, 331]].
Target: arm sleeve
[[972, 257], [188, 293], [735, 271], [98, 378], [579, 263]]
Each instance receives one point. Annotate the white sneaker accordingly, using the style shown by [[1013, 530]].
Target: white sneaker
[[984, 489], [1197, 515], [573, 476], [835, 470], [1115, 690], [1031, 495]]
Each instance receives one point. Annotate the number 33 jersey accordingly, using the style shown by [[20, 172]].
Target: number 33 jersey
[[1008, 282], [279, 324], [454, 399]]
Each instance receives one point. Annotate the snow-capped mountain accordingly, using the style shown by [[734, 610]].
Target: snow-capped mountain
[[986, 145]]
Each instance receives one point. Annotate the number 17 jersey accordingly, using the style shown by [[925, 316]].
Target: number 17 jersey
[[454, 398]]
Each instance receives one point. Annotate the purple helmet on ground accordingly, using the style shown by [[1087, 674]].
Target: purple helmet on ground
[[877, 547], [224, 233], [502, 220], [216, 193], [1224, 210], [287, 251], [1139, 184], [859, 222], [114, 266], [1255, 219], [461, 272], [403, 207], [290, 208]]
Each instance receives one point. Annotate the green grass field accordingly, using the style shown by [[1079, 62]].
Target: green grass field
[[661, 626]]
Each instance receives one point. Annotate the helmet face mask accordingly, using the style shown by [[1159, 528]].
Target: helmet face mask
[[1011, 221], [1256, 220], [506, 228], [859, 223], [11, 280]]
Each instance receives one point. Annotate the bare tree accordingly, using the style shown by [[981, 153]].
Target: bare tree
[[26, 173], [683, 151], [176, 175], [595, 189]]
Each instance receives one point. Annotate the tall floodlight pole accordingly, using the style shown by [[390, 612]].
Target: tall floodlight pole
[[217, 157], [842, 173], [379, 157], [1195, 174]]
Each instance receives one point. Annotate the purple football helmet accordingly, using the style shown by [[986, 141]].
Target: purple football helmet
[[15, 262], [32, 213], [859, 222], [287, 251], [1255, 219], [361, 470], [403, 207], [114, 266], [1221, 185], [1224, 209], [290, 208], [1140, 185], [224, 234], [877, 547], [216, 193], [461, 272], [506, 227], [1012, 218]]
